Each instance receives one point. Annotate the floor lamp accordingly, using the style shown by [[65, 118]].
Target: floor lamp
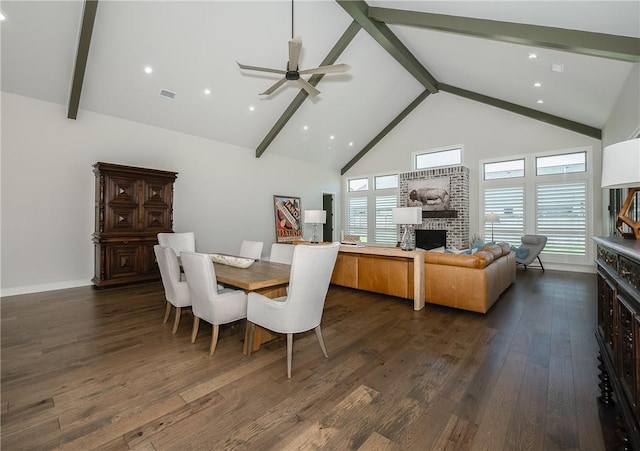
[[621, 169], [492, 217], [407, 216], [315, 217]]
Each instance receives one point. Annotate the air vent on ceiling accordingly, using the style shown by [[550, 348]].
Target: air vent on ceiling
[[167, 94]]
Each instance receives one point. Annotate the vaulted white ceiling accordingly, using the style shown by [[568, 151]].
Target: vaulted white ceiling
[[193, 46]]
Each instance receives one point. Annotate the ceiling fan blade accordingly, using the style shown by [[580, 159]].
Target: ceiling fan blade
[[308, 87], [274, 87], [327, 69], [262, 69], [295, 46]]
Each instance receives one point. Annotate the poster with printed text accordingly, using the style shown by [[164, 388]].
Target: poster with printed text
[[288, 213]]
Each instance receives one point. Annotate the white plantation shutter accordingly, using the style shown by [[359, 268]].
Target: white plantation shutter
[[508, 204], [357, 217], [385, 231], [562, 217]]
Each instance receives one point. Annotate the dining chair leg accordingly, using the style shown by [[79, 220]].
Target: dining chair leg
[[321, 341], [289, 354], [252, 330], [214, 339], [194, 329], [177, 320], [167, 312]]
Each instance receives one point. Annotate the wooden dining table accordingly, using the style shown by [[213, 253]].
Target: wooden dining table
[[269, 279]]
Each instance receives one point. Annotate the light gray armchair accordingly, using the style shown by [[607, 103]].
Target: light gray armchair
[[209, 303], [176, 291], [535, 244], [301, 309], [182, 241], [251, 249], [281, 253]]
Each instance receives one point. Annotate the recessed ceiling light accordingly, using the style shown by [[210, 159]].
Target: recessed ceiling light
[[540, 101], [532, 56], [148, 69], [332, 137], [252, 108], [2, 17], [351, 144], [306, 127], [207, 91], [537, 85]]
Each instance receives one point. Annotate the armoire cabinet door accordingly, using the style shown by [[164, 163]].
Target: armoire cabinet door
[[132, 206]]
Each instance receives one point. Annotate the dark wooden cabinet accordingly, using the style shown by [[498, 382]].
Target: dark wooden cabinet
[[132, 205], [618, 333]]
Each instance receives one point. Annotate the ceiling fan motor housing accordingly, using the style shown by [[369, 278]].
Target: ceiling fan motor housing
[[292, 75]]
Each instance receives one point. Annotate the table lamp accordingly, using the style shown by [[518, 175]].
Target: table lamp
[[621, 169], [315, 217], [407, 216], [492, 217]]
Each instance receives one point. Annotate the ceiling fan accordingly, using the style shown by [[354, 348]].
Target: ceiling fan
[[292, 73]]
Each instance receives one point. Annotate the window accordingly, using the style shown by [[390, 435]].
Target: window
[[561, 164], [358, 185], [386, 181], [553, 200], [504, 169], [357, 217], [368, 212], [562, 217], [508, 204], [438, 158]]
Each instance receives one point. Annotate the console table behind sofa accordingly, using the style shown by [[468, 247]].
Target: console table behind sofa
[[385, 270]]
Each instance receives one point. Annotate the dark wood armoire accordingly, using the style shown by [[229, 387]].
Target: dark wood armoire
[[132, 206], [618, 335]]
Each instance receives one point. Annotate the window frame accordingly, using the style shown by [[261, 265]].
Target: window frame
[[416, 154], [373, 228], [530, 181]]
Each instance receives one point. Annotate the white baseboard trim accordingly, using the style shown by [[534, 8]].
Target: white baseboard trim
[[561, 267], [28, 289]]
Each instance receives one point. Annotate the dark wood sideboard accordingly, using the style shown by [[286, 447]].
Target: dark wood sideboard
[[132, 205], [618, 335]]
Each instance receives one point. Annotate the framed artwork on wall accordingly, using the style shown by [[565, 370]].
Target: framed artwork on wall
[[288, 214], [430, 194]]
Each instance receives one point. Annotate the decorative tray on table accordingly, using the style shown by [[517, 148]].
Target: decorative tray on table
[[232, 260]]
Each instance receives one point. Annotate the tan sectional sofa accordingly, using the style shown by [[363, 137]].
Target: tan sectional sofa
[[469, 282]]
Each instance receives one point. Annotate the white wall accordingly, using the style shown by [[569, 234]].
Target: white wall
[[624, 121], [223, 193], [485, 132]]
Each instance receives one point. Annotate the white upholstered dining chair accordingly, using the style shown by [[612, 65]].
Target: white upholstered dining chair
[[281, 253], [208, 302], [251, 249], [176, 291], [301, 309], [181, 241]]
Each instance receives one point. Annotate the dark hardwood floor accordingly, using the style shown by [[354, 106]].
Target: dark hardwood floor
[[97, 369]]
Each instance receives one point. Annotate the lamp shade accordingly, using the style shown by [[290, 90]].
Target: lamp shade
[[621, 165], [492, 217], [315, 216], [407, 215]]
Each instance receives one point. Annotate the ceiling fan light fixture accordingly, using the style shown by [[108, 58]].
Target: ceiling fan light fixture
[[295, 47]]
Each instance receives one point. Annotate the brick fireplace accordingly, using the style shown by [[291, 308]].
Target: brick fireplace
[[456, 220]]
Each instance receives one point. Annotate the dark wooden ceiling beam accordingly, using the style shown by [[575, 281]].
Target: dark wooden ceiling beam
[[359, 10], [622, 48], [84, 42], [331, 58], [524, 111], [385, 131]]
